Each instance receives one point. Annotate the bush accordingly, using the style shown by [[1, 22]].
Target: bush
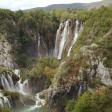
[[45, 66], [70, 106], [5, 110], [100, 101]]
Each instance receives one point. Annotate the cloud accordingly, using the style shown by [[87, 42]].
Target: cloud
[[27, 4]]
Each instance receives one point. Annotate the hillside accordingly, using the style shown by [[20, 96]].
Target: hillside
[[56, 61], [77, 5]]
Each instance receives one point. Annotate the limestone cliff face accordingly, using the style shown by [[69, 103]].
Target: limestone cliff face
[[70, 84], [6, 59]]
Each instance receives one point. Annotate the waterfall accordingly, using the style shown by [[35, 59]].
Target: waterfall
[[4, 101], [66, 37], [63, 40], [81, 87], [58, 34], [38, 104], [39, 45], [8, 84], [17, 72], [42, 47], [45, 47], [76, 34], [22, 87]]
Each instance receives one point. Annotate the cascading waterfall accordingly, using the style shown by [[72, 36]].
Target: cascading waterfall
[[39, 103], [34, 108], [17, 72], [58, 39], [63, 40], [38, 44], [11, 82], [77, 31], [41, 46], [8, 84], [21, 87], [45, 47], [5, 83], [4, 101], [66, 37]]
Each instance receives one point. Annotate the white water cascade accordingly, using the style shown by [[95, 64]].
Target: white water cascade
[[77, 31], [38, 104], [17, 72], [4, 101], [5, 83], [8, 84], [58, 39], [66, 36], [39, 45], [21, 87], [63, 40]]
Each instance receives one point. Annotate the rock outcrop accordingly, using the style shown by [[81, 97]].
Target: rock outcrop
[[6, 59]]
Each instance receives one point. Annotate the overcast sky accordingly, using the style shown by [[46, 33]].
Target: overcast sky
[[27, 4]]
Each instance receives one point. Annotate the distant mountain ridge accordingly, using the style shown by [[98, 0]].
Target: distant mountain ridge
[[78, 5]]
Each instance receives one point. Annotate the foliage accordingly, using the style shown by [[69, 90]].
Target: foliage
[[4, 69], [45, 66], [70, 106], [97, 30], [12, 94], [5, 110], [99, 101]]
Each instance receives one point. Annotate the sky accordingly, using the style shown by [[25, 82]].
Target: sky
[[27, 4]]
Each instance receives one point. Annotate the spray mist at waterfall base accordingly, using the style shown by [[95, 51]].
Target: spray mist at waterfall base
[[30, 109]]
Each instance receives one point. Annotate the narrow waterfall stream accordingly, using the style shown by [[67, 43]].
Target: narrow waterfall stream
[[39, 45], [58, 35], [21, 87], [77, 31], [63, 40]]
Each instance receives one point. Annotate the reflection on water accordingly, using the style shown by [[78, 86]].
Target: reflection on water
[[30, 109]]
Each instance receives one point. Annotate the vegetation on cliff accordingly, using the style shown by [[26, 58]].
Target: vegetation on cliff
[[94, 45], [98, 101]]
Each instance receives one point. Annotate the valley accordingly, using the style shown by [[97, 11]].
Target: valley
[[56, 60]]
